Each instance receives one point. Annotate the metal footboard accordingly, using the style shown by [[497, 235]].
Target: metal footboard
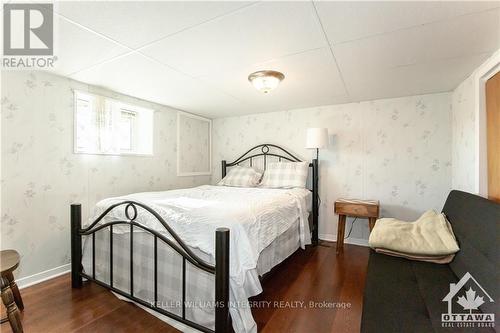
[[220, 270]]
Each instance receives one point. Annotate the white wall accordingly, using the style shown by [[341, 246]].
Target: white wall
[[469, 151], [464, 137], [41, 176], [395, 150], [398, 151]]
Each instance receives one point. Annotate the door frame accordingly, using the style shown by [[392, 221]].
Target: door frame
[[483, 74]]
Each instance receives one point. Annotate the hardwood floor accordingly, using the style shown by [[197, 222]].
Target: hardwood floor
[[316, 274]]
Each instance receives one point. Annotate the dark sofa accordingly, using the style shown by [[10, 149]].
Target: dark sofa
[[407, 296]]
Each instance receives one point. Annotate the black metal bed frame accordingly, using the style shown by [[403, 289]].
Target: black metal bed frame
[[283, 154], [220, 269]]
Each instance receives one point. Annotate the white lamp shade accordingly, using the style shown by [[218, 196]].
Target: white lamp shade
[[317, 138]]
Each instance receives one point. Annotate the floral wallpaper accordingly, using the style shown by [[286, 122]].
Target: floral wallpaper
[[464, 137], [396, 150], [41, 175], [194, 144], [469, 148]]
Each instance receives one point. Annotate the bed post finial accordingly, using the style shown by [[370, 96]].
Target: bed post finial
[[76, 246], [223, 168], [222, 280]]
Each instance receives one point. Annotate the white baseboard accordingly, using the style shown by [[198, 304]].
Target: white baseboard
[[43, 276], [353, 241]]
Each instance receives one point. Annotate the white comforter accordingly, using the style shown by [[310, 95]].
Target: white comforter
[[255, 217]]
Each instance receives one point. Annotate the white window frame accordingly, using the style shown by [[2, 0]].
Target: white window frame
[[124, 105], [76, 149], [198, 173], [133, 131]]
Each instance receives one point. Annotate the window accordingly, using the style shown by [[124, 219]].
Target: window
[[127, 129], [107, 126]]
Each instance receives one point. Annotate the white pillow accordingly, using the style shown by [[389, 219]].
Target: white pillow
[[241, 177], [285, 175]]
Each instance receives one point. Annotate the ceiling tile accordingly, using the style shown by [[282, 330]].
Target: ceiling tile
[[460, 37], [408, 61], [311, 78], [77, 48], [378, 53], [350, 20], [257, 33], [149, 80], [136, 23], [433, 77]]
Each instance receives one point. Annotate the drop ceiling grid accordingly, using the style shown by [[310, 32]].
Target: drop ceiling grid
[[311, 78], [374, 58], [146, 22], [269, 30], [351, 21], [140, 51], [130, 51], [137, 49], [332, 53], [406, 61]]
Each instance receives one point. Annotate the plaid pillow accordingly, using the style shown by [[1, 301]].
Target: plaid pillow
[[285, 175], [241, 177]]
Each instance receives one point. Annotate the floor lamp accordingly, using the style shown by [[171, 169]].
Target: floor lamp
[[317, 138]]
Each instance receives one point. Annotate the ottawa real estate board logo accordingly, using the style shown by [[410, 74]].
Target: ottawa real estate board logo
[[28, 36], [464, 299]]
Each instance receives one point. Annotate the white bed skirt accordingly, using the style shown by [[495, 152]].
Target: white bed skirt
[[200, 285]]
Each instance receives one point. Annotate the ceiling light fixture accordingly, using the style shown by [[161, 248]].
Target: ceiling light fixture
[[265, 81]]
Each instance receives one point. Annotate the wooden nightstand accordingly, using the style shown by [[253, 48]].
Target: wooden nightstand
[[355, 208]]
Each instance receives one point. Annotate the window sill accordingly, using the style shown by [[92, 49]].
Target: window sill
[[114, 154]]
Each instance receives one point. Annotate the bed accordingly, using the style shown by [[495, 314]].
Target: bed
[[158, 249]]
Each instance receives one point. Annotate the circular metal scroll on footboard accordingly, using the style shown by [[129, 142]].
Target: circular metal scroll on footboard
[[127, 213]]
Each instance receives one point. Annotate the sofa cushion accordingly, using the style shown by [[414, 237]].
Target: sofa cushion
[[406, 296], [433, 284], [476, 224], [392, 301]]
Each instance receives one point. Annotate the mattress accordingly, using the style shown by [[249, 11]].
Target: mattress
[[266, 227]]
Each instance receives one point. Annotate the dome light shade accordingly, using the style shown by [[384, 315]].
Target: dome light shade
[[265, 81]]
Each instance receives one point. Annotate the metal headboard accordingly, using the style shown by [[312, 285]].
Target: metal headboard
[[267, 150]]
